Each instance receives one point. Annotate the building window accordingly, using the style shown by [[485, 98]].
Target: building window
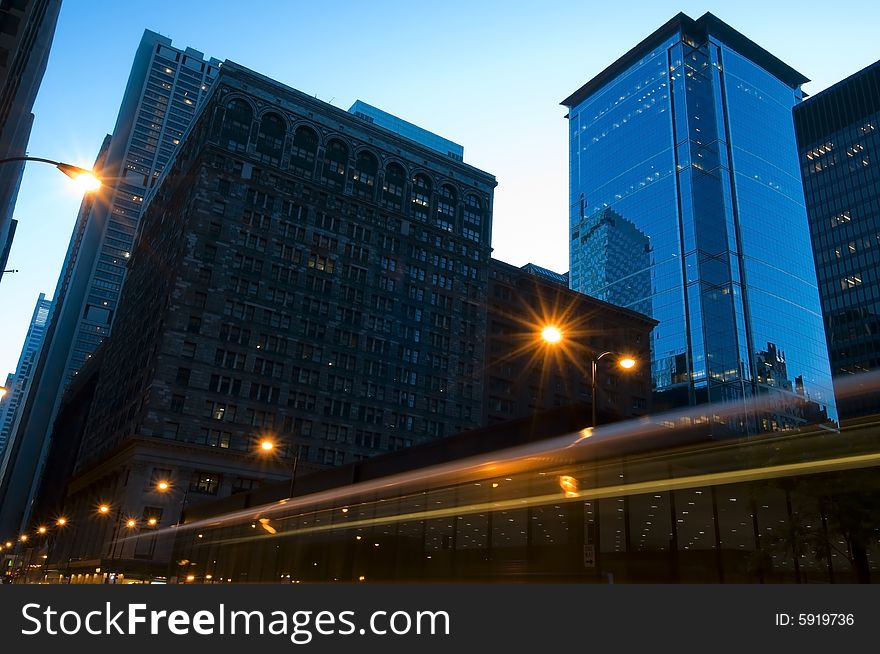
[[215, 437], [335, 162], [392, 188], [177, 402], [270, 138], [473, 210], [851, 281], [421, 197], [207, 483], [194, 324], [445, 218], [303, 150], [364, 175], [183, 375], [237, 125], [242, 485]]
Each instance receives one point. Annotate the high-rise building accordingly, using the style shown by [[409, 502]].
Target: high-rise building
[[27, 28], [687, 204], [524, 374], [838, 133], [17, 383], [164, 89], [302, 274]]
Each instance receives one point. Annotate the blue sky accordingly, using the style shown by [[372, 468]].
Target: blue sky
[[487, 75]]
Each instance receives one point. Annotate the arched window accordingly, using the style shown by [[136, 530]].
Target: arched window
[[445, 218], [270, 138], [473, 210], [335, 162], [303, 151], [237, 125], [392, 187], [421, 197], [364, 175]]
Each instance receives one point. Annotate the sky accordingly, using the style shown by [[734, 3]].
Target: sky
[[488, 75]]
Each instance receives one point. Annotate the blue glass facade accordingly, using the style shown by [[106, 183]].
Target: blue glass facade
[[686, 204], [839, 139]]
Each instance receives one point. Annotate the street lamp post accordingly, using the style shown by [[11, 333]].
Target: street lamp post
[[267, 445], [85, 178], [164, 486], [553, 335], [624, 362]]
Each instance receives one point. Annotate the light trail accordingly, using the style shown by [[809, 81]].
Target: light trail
[[660, 432], [618, 490]]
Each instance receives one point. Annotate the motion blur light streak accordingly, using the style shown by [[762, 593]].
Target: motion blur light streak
[[622, 490], [657, 447]]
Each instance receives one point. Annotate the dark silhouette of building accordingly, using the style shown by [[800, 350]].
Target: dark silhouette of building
[[27, 28], [839, 145], [524, 375], [302, 274]]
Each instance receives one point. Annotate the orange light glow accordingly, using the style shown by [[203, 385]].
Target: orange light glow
[[551, 334]]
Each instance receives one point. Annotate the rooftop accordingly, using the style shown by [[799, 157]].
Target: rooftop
[[406, 129], [699, 30]]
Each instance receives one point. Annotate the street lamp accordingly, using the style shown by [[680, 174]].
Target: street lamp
[[267, 445], [164, 486], [552, 334], [85, 179]]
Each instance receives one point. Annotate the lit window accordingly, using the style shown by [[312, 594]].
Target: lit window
[[850, 281]]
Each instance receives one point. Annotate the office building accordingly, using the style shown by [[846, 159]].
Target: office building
[[18, 382], [838, 134], [524, 374], [322, 285], [687, 204], [27, 28], [164, 89]]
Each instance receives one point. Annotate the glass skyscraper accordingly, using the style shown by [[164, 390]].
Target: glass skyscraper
[[165, 88], [686, 203], [838, 134], [18, 383]]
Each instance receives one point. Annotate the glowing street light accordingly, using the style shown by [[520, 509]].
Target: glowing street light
[[267, 445], [553, 335], [61, 522], [41, 530], [162, 485], [86, 180], [104, 509], [131, 523]]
